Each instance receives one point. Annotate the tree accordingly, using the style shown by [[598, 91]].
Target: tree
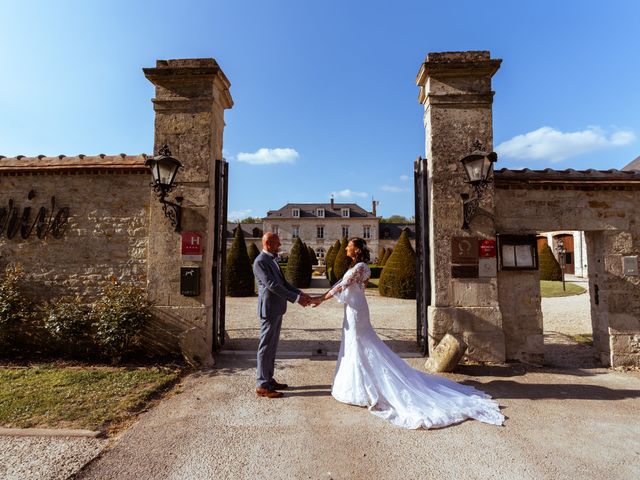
[[549, 267], [327, 255], [253, 252], [297, 273], [342, 262], [239, 272], [381, 253], [312, 256], [331, 260], [397, 219], [398, 277], [387, 254], [251, 220]]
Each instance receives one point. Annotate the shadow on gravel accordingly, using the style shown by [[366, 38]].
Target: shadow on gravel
[[537, 391]]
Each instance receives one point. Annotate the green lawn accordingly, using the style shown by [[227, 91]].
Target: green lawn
[[93, 398], [373, 283], [554, 289]]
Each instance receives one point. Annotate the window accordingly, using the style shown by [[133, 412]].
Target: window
[[275, 229], [366, 231], [320, 252], [386, 233], [345, 213], [345, 231], [296, 213], [256, 232], [295, 231], [320, 212], [320, 232]]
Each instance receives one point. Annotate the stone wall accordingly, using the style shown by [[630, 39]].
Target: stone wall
[[106, 234]]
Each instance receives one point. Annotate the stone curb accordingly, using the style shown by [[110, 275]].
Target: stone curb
[[48, 432]]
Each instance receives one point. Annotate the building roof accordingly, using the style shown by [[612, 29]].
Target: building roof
[[103, 162], [395, 229], [570, 176], [634, 165], [247, 229], [308, 210]]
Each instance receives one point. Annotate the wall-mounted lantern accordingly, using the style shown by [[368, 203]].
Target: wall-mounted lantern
[[164, 169], [478, 166]]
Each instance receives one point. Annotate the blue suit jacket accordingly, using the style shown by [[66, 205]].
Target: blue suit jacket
[[273, 288]]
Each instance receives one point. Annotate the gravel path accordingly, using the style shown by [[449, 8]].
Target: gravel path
[[46, 458]]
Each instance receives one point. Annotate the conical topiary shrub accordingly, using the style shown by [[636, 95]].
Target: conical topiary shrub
[[308, 262], [239, 271], [312, 256], [398, 279], [342, 262], [387, 254], [331, 260], [297, 273], [549, 267], [253, 252], [381, 253], [326, 255]]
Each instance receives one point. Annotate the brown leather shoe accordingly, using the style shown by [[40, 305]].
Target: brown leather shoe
[[278, 386], [264, 392]]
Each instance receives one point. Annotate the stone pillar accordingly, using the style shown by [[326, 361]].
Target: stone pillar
[[191, 96], [455, 89]]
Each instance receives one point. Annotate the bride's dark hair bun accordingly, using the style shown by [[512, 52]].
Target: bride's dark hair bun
[[362, 251]]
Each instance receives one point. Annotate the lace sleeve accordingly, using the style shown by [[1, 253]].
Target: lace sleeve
[[359, 274]]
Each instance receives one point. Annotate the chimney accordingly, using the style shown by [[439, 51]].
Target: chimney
[[374, 204], [331, 202]]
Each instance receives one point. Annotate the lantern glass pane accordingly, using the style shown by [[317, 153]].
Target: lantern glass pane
[[474, 169], [166, 171], [154, 172]]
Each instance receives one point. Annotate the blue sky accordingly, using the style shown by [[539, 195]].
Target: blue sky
[[325, 95]]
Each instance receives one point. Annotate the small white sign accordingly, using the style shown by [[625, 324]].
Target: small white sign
[[630, 266], [487, 267]]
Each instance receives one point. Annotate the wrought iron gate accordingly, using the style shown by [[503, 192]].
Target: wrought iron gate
[[219, 252], [423, 284]]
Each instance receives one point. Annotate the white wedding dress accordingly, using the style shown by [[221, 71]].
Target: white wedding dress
[[370, 374]]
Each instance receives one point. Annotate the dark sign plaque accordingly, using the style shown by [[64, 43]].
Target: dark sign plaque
[[190, 281], [464, 271], [464, 250]]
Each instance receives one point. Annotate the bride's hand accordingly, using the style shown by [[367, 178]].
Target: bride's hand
[[316, 301]]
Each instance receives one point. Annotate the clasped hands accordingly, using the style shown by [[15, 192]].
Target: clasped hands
[[306, 300]]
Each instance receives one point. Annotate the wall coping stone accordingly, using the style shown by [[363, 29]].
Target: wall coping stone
[[79, 163]]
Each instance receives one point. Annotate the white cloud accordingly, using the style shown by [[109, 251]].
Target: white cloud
[[237, 215], [348, 193], [389, 188], [547, 143], [269, 156], [404, 178]]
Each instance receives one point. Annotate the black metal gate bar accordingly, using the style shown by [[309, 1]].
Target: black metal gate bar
[[423, 297], [221, 173]]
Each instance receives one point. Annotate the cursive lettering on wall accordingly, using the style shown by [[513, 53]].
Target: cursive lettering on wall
[[12, 221]]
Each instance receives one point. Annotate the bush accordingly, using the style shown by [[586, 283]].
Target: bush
[[549, 267], [312, 256], [387, 254], [376, 270], [14, 306], [398, 277], [69, 324], [121, 312], [342, 262], [327, 255], [239, 273], [330, 261], [253, 252], [298, 273], [381, 252]]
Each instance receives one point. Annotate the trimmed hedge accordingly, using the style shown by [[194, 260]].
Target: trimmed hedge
[[387, 254], [239, 272], [253, 252], [297, 273], [312, 256], [549, 267], [342, 262], [330, 262], [398, 279], [381, 253]]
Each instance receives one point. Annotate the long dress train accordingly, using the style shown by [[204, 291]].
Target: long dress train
[[369, 373]]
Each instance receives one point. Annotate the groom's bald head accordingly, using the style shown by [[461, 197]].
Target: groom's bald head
[[271, 242]]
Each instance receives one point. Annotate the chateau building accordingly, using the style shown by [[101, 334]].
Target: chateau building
[[319, 225]]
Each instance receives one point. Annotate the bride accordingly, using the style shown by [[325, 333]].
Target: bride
[[370, 374]]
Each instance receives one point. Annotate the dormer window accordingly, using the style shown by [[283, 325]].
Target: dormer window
[[345, 213], [320, 212], [296, 213]]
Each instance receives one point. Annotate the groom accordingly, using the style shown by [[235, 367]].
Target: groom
[[273, 293]]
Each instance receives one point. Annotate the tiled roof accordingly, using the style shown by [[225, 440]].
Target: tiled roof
[[42, 163], [395, 229], [308, 210], [634, 165], [569, 176], [247, 229]]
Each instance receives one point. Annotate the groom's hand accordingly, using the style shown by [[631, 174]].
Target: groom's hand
[[305, 300]]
